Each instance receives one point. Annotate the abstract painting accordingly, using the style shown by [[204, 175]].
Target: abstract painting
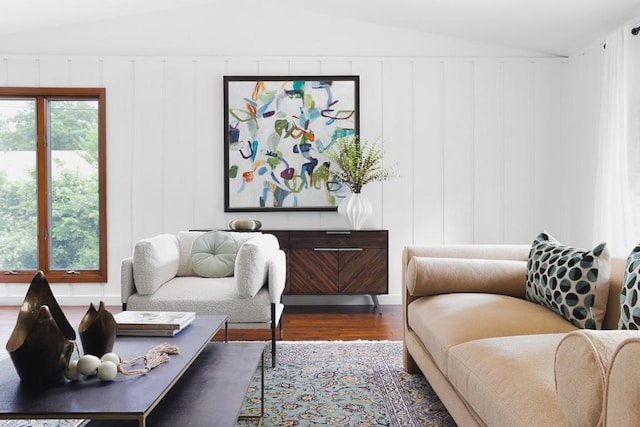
[[277, 130]]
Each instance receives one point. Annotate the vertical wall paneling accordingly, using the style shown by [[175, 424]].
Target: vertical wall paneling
[[305, 68], [458, 161], [55, 72], [179, 144], [240, 67], [372, 128], [329, 220], [148, 148], [488, 153], [580, 142], [480, 146], [85, 72], [273, 68], [118, 73], [207, 184], [518, 129], [397, 117], [4, 71], [548, 114], [23, 71], [336, 68], [427, 179]]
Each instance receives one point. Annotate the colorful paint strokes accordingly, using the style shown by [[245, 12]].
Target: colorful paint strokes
[[277, 130]]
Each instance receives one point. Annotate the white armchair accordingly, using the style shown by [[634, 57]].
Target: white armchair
[[160, 276]]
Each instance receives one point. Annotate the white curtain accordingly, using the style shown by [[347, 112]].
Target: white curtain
[[617, 201]]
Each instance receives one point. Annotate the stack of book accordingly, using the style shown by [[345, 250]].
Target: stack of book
[[153, 323]]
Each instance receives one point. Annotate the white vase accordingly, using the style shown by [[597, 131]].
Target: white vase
[[355, 209]]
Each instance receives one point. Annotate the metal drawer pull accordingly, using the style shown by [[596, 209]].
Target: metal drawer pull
[[338, 232], [337, 249]]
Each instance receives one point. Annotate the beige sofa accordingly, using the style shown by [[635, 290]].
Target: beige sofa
[[497, 359]]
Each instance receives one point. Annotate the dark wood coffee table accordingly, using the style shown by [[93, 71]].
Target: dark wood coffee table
[[205, 384]]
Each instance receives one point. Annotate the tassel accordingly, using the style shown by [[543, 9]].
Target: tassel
[[154, 357]]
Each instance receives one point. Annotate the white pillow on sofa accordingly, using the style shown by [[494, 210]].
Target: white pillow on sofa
[[252, 263], [155, 262], [185, 243]]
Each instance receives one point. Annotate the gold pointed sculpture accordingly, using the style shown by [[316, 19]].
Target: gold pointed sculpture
[[43, 339], [97, 331]]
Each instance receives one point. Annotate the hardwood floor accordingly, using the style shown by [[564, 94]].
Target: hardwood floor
[[301, 323]]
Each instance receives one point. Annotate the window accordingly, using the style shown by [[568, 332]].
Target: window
[[53, 184]]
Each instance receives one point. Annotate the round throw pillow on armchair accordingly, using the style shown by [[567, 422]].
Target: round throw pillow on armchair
[[214, 254]]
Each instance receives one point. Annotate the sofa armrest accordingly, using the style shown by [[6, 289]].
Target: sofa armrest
[[277, 276], [621, 405], [583, 363], [127, 285]]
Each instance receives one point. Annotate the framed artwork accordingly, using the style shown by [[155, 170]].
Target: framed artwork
[[277, 130]]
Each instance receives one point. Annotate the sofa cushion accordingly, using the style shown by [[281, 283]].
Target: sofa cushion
[[207, 296], [443, 321], [570, 281], [508, 381], [213, 254], [155, 261], [252, 263], [630, 293]]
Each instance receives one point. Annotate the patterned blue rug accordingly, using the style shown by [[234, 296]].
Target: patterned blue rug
[[336, 383], [344, 383]]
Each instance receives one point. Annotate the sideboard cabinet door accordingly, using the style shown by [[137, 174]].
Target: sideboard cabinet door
[[338, 262]]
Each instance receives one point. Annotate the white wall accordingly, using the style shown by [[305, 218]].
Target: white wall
[[481, 143]]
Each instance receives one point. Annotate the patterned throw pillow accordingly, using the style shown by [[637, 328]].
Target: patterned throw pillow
[[629, 306], [570, 281]]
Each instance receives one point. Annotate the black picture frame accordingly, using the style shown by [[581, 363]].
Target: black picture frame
[[276, 130]]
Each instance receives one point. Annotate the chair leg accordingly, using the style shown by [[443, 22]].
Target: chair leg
[[273, 335], [226, 331], [282, 327]]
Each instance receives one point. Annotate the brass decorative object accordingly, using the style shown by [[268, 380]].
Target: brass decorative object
[[97, 331], [42, 341]]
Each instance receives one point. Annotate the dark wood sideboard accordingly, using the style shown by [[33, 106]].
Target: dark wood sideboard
[[336, 262]]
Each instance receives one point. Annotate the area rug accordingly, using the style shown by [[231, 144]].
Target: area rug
[[41, 423], [332, 383], [345, 383]]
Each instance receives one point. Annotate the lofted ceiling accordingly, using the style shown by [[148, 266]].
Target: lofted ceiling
[[549, 27]]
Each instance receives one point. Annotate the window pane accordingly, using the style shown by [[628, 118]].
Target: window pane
[[18, 185], [74, 216]]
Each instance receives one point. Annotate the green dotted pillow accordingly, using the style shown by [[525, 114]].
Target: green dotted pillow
[[570, 281], [214, 254], [629, 307]]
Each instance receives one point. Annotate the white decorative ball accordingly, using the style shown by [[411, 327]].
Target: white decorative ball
[[71, 372], [111, 357], [107, 371], [88, 364]]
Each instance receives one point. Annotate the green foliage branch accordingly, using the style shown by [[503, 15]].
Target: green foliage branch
[[357, 162]]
